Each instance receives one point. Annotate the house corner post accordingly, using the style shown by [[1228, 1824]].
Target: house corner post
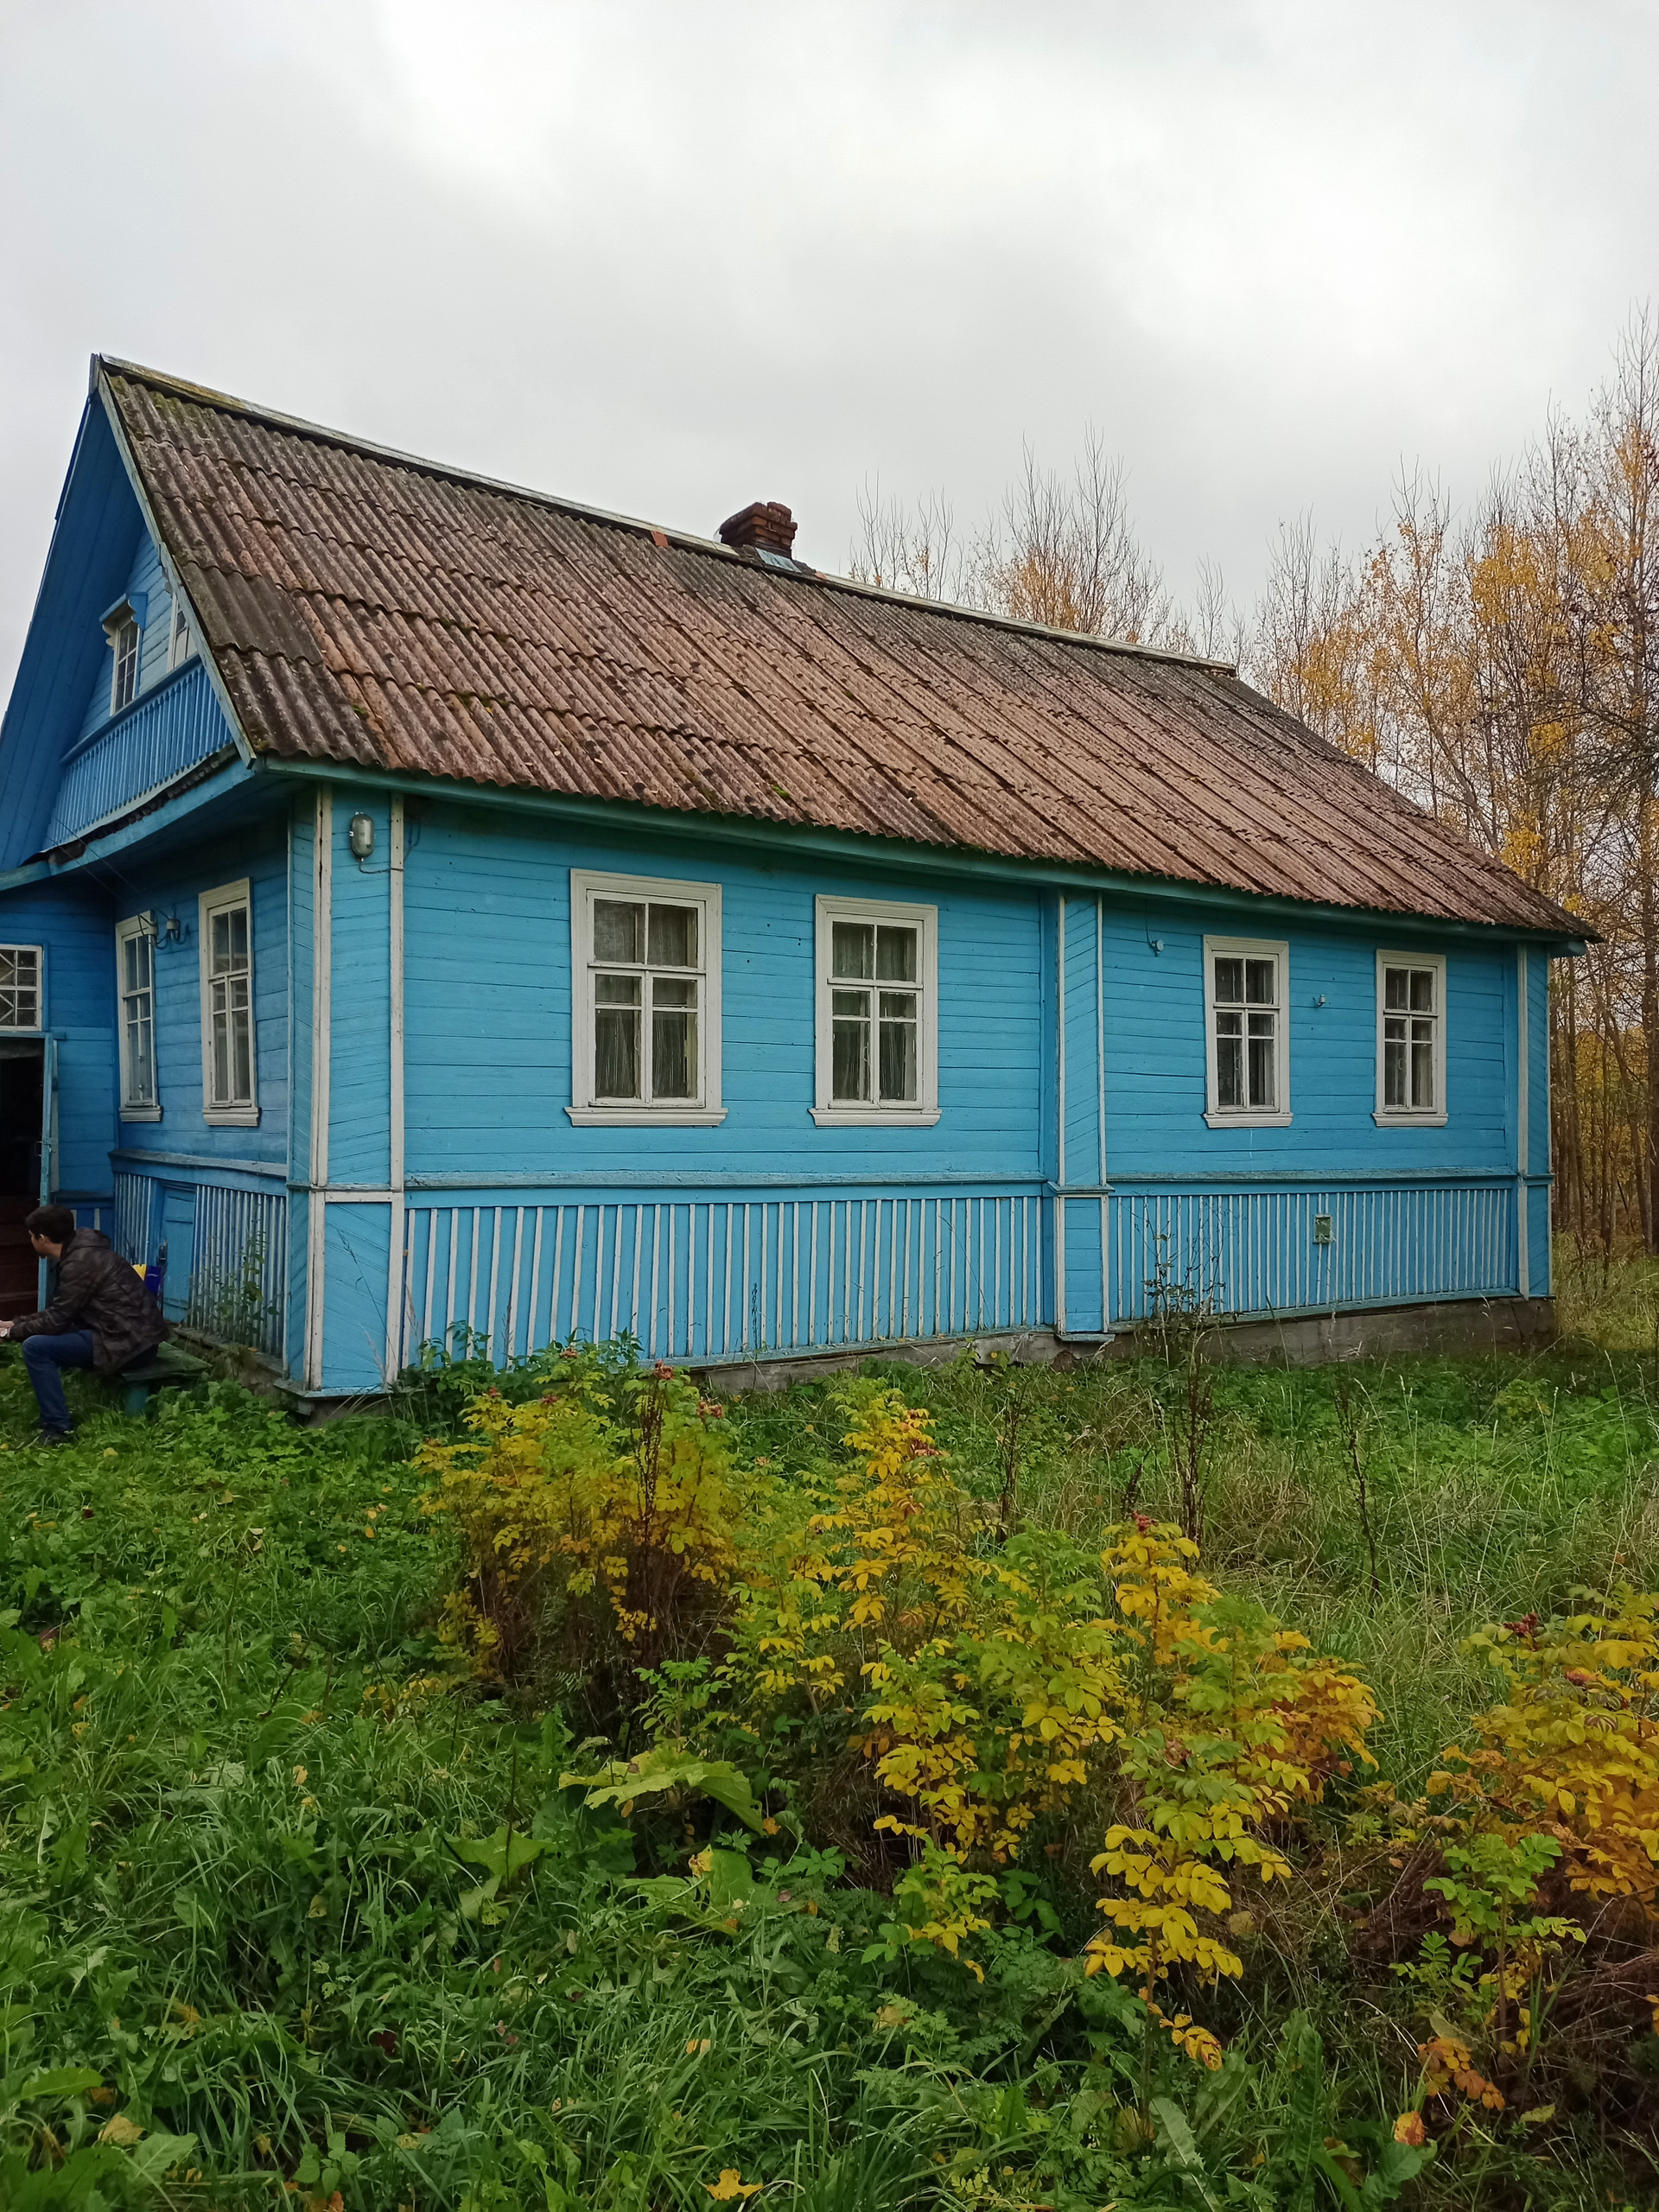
[[396, 1271], [322, 922]]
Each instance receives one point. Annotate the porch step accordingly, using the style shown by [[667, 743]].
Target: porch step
[[163, 1368]]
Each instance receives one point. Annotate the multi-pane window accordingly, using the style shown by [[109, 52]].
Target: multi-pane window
[[876, 1027], [1244, 987], [875, 1008], [19, 986], [1411, 1044], [646, 956], [126, 637], [228, 1070], [135, 960]]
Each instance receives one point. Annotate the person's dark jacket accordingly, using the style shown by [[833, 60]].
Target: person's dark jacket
[[97, 1289]]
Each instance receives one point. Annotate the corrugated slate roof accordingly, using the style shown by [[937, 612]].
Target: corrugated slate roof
[[370, 608]]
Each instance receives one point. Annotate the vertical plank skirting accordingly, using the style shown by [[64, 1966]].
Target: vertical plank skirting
[[717, 1279], [1251, 1250]]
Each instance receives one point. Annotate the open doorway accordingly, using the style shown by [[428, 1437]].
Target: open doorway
[[23, 1101]]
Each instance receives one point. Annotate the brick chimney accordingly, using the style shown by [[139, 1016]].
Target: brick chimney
[[763, 526]]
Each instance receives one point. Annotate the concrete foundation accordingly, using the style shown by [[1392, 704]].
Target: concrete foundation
[[1454, 1327]]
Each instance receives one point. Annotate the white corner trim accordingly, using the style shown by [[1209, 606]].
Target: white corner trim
[[322, 903], [875, 1117], [646, 1117], [1246, 1121]]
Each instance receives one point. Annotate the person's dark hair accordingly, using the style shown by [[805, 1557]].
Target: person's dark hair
[[56, 1224]]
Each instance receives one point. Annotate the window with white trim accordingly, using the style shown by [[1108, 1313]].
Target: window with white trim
[[182, 644], [229, 1069], [1410, 1039], [644, 959], [125, 638], [135, 984], [877, 1015], [1246, 1042], [19, 986]]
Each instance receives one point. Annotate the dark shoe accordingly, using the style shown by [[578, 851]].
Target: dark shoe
[[53, 1436]]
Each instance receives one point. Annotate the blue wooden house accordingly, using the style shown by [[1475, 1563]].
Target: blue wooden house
[[429, 910]]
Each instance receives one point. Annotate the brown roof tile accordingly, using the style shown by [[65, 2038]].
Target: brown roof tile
[[368, 608]]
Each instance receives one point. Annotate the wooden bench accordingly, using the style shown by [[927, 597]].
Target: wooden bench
[[164, 1368]]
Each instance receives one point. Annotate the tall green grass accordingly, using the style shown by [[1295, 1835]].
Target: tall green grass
[[250, 1818]]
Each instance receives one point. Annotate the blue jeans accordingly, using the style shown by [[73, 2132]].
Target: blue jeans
[[46, 1357]]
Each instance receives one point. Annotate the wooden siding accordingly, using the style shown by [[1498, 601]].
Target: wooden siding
[[488, 1010], [171, 887]]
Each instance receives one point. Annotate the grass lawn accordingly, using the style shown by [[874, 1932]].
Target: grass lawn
[[294, 1910]]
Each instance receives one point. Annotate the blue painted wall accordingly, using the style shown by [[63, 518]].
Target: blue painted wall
[[171, 887], [488, 969]]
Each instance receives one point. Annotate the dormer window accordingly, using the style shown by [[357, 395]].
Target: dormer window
[[123, 626]]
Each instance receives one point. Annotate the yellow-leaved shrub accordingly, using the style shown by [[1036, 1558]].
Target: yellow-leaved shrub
[[597, 1523]]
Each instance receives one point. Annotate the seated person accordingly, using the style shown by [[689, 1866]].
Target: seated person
[[100, 1314]]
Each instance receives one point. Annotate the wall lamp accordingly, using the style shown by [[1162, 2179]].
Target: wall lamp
[[359, 836]]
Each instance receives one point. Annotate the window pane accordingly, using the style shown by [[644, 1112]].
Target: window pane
[[239, 936], [1422, 990], [1263, 1083], [673, 937], [242, 1034], [221, 1058], [895, 954], [616, 990], [619, 929], [1395, 987], [673, 1051], [1260, 976], [850, 1004], [898, 1057], [1229, 983], [616, 1052], [1229, 1060], [850, 1057], [1394, 1065], [1422, 1067], [852, 949], [672, 990]]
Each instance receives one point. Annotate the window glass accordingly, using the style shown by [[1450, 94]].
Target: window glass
[[1245, 996], [137, 1018], [230, 1008], [1410, 1043], [647, 987], [874, 1058], [20, 987], [126, 666]]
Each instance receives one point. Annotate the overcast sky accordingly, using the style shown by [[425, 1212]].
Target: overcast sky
[[667, 258]]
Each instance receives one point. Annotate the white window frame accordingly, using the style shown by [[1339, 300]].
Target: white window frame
[[1408, 1117], [244, 1113], [182, 636], [16, 1028], [124, 611], [1248, 1117], [829, 1113], [136, 1109], [705, 1111]]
